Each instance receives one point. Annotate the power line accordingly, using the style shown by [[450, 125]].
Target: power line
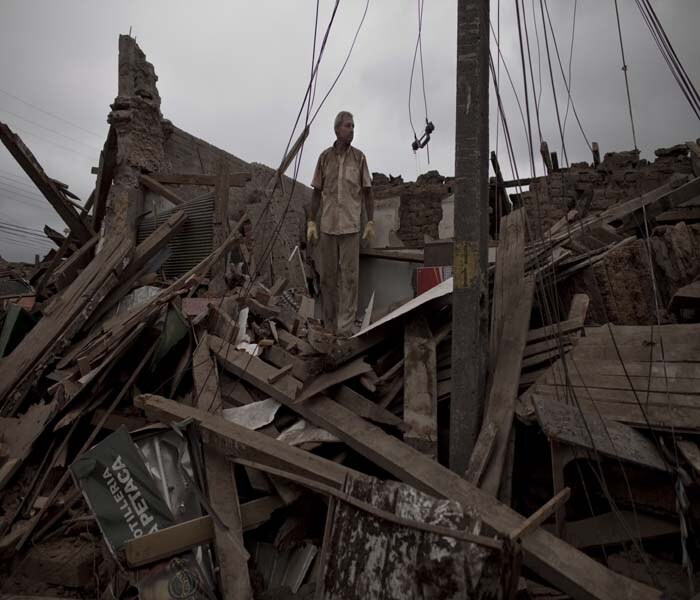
[[28, 230], [48, 141], [624, 70], [72, 139], [418, 49], [347, 58], [17, 182], [15, 193], [571, 60], [12, 175], [46, 112], [567, 85], [19, 238], [554, 90], [15, 186], [669, 54]]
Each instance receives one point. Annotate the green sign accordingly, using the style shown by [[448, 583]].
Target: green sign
[[120, 490]]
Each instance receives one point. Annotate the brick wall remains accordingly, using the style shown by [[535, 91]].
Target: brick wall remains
[[620, 176], [420, 211]]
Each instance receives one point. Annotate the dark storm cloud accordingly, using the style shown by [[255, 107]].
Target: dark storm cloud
[[234, 73]]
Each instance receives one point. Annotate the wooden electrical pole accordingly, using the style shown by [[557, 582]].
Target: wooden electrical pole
[[470, 297]]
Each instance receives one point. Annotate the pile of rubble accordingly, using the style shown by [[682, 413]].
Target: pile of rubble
[[176, 422]]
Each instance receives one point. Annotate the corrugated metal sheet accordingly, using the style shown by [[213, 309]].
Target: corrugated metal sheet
[[193, 243]]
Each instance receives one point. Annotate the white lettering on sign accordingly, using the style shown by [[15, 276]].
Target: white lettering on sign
[[128, 498]]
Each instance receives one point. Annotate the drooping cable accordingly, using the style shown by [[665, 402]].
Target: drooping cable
[[567, 84], [624, 70], [669, 54]]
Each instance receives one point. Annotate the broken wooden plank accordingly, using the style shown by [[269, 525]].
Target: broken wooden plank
[[143, 253], [280, 373], [168, 542], [237, 179], [217, 285], [237, 441], [256, 512], [420, 387], [559, 563], [615, 528], [564, 327], [365, 408], [105, 175], [664, 412], [44, 183], [160, 189], [221, 485], [479, 459], [66, 272], [19, 435], [541, 514], [587, 430], [322, 382], [504, 389], [68, 312], [653, 203], [691, 452]]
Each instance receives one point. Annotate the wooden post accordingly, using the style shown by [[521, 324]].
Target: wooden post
[[555, 162], [221, 485], [546, 157], [501, 195], [420, 387], [596, 154], [220, 228], [470, 296]]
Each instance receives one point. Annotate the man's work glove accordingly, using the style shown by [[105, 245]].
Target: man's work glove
[[369, 231], [311, 233]]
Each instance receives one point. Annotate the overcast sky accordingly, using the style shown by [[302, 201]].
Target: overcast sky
[[234, 74]]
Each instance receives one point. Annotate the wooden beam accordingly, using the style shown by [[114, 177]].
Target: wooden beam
[[555, 162], [470, 313], [30, 165], [256, 512], [479, 459], [168, 542], [546, 157], [217, 286], [615, 529], [324, 381], [541, 514], [143, 253], [239, 442], [587, 430], [365, 408], [234, 179], [420, 387], [511, 309], [105, 175], [221, 485], [566, 568], [160, 189]]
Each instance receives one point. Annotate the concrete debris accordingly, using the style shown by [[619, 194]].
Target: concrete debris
[[175, 421]]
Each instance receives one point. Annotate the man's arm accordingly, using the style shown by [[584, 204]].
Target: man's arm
[[368, 198], [315, 204]]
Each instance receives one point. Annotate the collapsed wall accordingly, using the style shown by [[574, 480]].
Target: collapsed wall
[[592, 188], [416, 207], [635, 281], [147, 143]]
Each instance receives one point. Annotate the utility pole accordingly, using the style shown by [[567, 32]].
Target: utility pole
[[470, 258]]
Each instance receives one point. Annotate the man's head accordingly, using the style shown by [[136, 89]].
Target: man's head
[[344, 127]]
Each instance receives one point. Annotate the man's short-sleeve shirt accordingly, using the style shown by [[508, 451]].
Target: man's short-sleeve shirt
[[341, 177]]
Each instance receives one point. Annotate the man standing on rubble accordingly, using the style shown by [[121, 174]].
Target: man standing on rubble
[[341, 184]]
